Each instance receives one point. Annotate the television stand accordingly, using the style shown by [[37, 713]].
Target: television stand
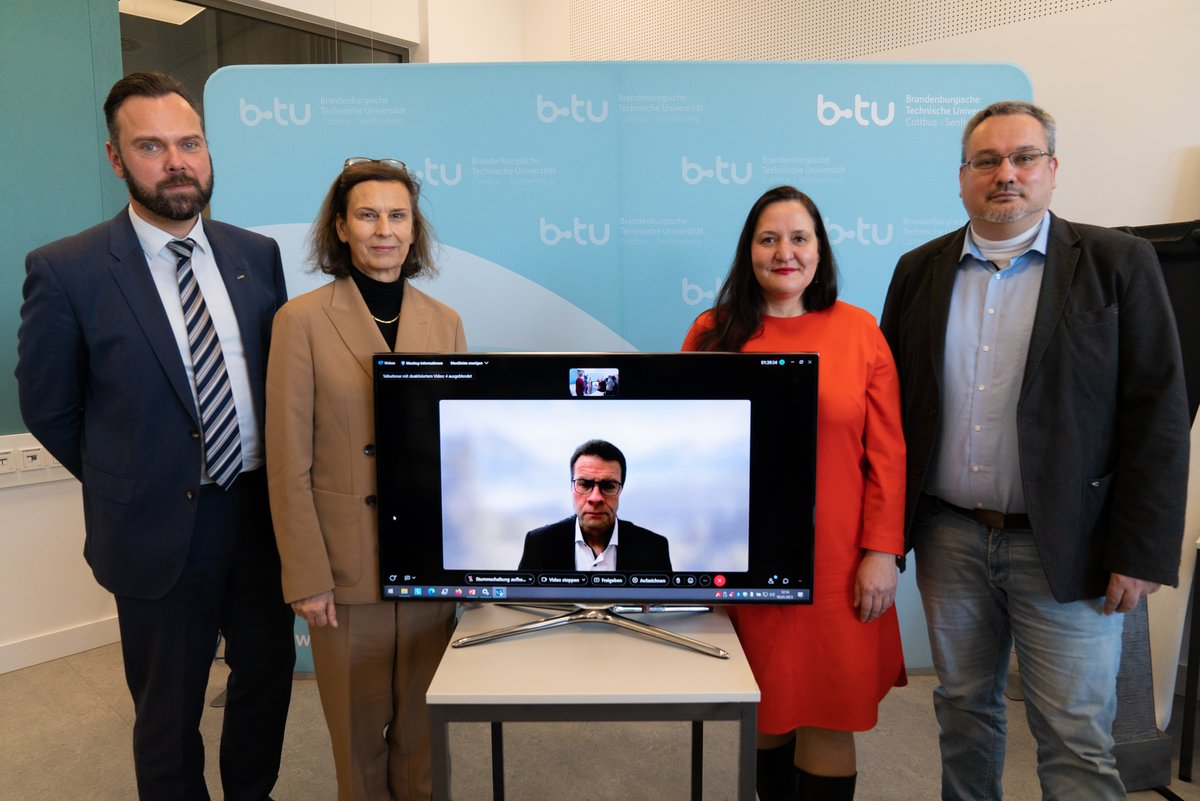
[[593, 613]]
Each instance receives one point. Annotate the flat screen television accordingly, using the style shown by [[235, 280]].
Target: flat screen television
[[474, 453]]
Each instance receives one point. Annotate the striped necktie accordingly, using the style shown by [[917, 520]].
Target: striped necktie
[[218, 416]]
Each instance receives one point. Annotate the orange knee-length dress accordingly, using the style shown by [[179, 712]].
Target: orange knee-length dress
[[818, 665]]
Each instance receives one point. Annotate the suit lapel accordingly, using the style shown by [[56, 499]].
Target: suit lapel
[[350, 316], [941, 287], [348, 313], [567, 553], [131, 273], [239, 285], [416, 317], [1062, 254]]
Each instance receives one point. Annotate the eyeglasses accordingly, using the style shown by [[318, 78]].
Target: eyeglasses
[[1020, 159], [350, 162], [608, 486]]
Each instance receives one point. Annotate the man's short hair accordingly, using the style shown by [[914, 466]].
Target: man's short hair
[[601, 450], [141, 84], [1004, 108]]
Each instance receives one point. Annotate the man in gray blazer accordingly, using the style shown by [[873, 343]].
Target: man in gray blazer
[[1047, 429], [141, 367]]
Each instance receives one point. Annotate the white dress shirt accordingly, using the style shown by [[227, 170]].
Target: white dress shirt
[[163, 268], [586, 559]]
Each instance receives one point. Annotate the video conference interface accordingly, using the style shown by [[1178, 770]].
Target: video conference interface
[[477, 498]]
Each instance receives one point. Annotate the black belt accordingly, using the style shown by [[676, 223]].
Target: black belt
[[988, 517]]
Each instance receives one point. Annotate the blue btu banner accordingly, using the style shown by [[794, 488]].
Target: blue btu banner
[[596, 206]]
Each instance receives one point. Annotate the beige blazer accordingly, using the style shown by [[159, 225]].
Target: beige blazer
[[321, 432]]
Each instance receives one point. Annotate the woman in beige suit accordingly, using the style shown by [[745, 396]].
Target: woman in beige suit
[[374, 659]]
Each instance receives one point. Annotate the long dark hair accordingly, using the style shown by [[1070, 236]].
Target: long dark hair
[[738, 310]]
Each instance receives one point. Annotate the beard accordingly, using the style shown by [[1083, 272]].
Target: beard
[[172, 205], [1009, 214]]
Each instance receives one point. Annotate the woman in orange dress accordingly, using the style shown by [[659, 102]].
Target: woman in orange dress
[[822, 668]]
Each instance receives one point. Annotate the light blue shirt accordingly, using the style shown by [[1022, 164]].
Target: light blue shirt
[[162, 263], [976, 461]]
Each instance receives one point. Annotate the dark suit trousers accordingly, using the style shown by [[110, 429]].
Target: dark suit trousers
[[230, 585]]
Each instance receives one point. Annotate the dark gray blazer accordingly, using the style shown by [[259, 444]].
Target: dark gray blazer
[[552, 547], [102, 386], [1102, 419]]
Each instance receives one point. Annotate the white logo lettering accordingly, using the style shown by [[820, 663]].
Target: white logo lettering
[[724, 171], [435, 173], [859, 232], [252, 115], [830, 113], [577, 109], [694, 294], [580, 232]]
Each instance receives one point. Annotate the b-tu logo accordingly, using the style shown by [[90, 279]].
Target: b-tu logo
[[577, 109], [859, 232], [723, 171], [435, 174], [252, 115], [830, 113], [578, 231], [694, 294]]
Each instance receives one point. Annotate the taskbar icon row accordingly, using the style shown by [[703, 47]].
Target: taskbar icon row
[[469, 593], [766, 596], [449, 593]]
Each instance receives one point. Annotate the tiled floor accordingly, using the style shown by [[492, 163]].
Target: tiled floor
[[66, 735]]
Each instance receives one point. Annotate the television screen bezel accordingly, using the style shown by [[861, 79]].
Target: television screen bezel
[[782, 481]]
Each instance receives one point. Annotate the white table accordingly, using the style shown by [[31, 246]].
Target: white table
[[590, 672]]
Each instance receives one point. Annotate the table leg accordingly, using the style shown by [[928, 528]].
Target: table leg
[[697, 760], [439, 742], [746, 746], [497, 761]]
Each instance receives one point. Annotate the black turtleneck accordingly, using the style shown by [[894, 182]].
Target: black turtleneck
[[383, 301]]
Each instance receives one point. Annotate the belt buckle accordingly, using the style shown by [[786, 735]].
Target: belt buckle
[[989, 518]]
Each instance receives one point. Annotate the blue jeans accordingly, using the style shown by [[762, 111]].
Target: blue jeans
[[984, 590]]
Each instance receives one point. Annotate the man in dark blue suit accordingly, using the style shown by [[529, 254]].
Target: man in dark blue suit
[[110, 358], [592, 539]]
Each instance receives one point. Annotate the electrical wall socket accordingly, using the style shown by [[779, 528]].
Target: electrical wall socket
[[24, 461], [32, 458]]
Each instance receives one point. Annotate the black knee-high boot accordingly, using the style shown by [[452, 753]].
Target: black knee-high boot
[[775, 773], [824, 788]]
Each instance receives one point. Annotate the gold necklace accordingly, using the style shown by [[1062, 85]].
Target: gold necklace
[[386, 322]]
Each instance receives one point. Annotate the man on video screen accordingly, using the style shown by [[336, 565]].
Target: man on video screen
[[592, 539]]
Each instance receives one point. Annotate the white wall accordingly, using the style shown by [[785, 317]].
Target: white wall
[[55, 606], [493, 32], [472, 31], [546, 26]]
